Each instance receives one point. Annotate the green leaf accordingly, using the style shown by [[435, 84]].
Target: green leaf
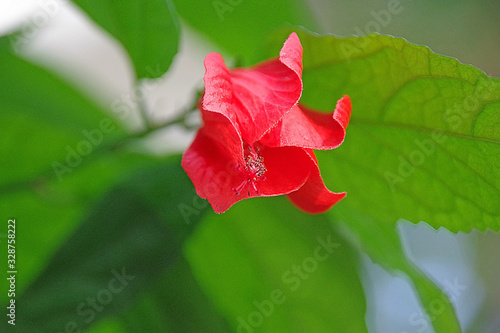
[[165, 309], [422, 144], [183, 308], [240, 26], [137, 229], [45, 121], [381, 242], [148, 30], [57, 207], [267, 268]]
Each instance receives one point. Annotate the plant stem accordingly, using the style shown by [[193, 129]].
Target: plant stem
[[46, 175], [143, 108]]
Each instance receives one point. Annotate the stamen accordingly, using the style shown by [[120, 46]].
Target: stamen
[[254, 170], [238, 189], [254, 188]]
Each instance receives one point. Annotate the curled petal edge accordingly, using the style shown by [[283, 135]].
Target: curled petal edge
[[255, 99], [306, 128], [314, 197]]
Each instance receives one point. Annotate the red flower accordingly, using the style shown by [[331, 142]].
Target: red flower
[[257, 140]]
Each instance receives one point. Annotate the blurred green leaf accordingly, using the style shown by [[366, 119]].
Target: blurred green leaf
[[184, 308], [176, 304], [422, 143], [121, 248], [45, 121], [57, 206], [381, 242], [240, 26], [268, 269], [148, 30], [487, 266]]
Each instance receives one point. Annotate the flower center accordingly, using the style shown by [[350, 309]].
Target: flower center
[[254, 170]]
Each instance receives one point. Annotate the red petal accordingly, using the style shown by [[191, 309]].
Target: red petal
[[306, 128], [211, 166], [288, 168], [314, 197], [220, 129], [255, 99], [291, 54]]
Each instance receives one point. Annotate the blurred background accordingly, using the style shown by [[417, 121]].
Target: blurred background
[[72, 46]]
